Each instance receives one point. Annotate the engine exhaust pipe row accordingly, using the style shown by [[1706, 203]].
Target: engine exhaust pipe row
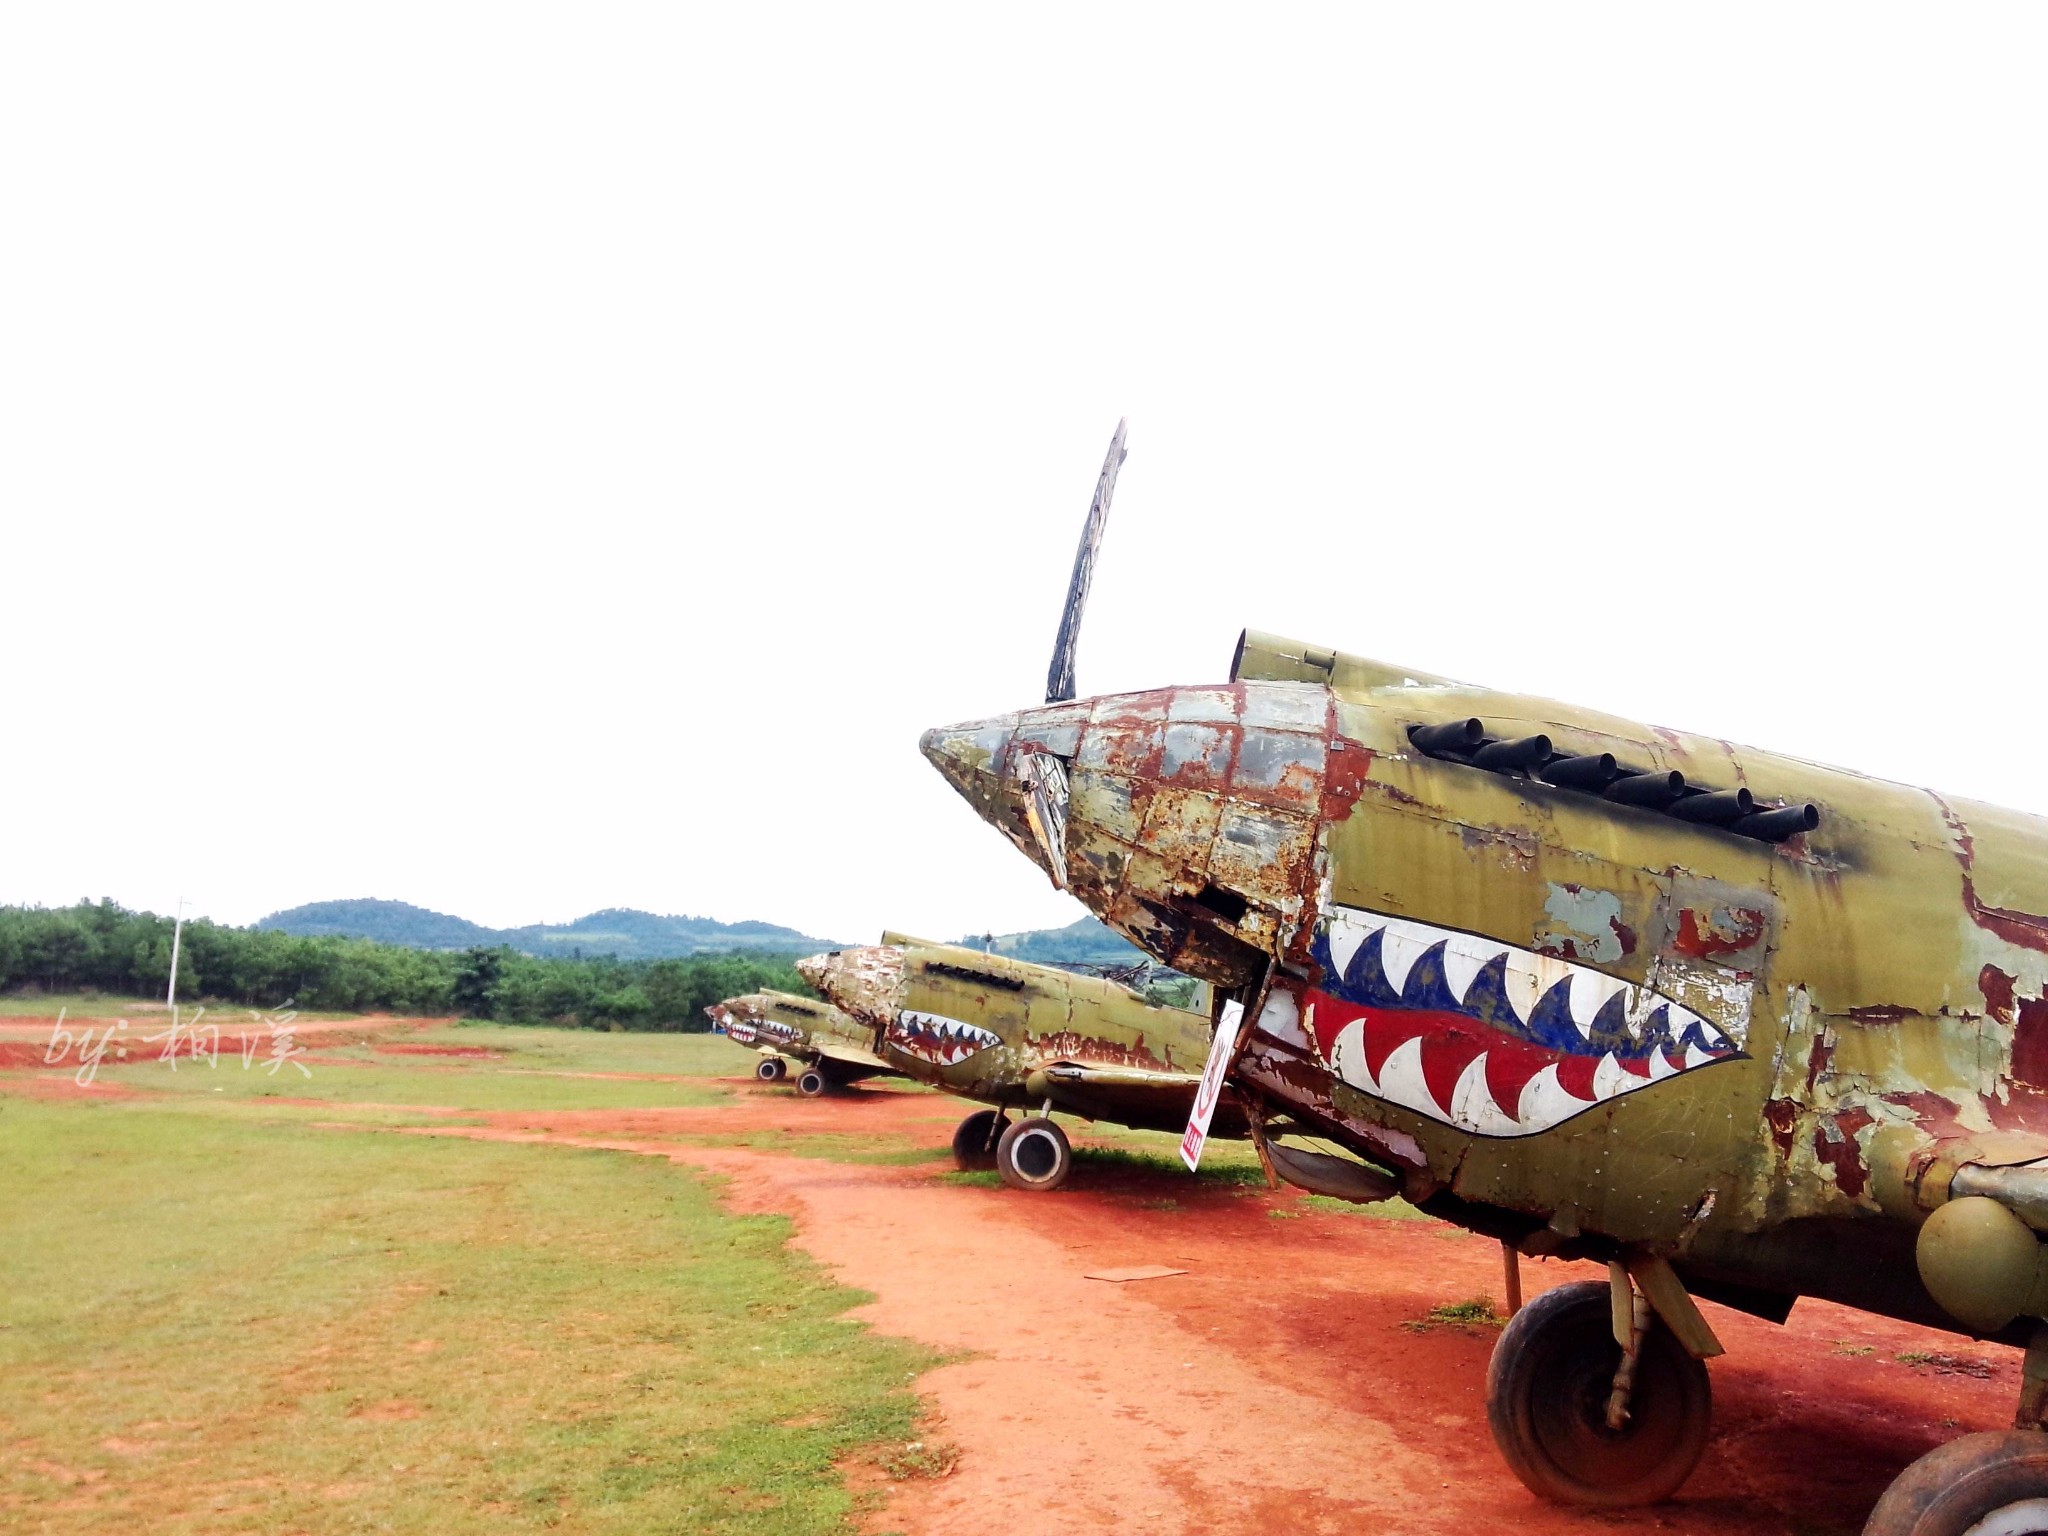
[[1732, 810]]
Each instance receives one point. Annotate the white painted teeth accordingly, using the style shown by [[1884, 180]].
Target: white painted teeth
[[1576, 1037], [1401, 945], [1591, 991], [1527, 977], [936, 1038]]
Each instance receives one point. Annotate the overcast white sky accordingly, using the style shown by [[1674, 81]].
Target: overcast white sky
[[522, 460]]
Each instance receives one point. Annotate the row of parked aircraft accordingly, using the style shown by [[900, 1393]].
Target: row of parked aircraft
[[1742, 1028], [1013, 1036]]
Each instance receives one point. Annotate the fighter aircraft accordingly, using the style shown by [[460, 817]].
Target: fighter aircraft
[[834, 1049], [1744, 1028], [1021, 1036]]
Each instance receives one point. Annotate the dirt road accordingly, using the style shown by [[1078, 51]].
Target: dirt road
[[1273, 1386]]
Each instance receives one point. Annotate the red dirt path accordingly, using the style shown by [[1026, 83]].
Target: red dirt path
[[1271, 1387], [48, 1041]]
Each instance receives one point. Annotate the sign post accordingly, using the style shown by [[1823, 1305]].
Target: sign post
[[1222, 1052]]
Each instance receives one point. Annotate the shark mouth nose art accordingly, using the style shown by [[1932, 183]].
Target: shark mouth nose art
[[1480, 1035], [935, 1038]]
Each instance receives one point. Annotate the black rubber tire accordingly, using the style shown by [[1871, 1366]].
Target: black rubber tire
[[1546, 1400], [974, 1143], [771, 1069], [1033, 1154], [1951, 1488], [812, 1083]]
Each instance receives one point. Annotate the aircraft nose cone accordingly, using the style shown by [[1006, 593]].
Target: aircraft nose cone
[[970, 757], [812, 969]]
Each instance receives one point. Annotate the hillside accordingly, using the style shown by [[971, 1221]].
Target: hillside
[[1085, 942], [619, 931], [635, 935]]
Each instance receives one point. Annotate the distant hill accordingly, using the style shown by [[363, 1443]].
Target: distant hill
[[634, 935], [1084, 942], [619, 931]]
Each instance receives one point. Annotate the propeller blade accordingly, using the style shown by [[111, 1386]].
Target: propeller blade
[[1059, 682]]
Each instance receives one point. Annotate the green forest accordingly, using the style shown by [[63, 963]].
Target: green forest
[[102, 947]]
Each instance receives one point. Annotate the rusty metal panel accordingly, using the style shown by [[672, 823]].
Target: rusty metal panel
[[1870, 995]]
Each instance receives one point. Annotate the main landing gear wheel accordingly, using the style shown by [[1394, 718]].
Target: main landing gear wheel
[[974, 1143], [1546, 1398], [771, 1069], [1993, 1484], [1033, 1154], [812, 1083]]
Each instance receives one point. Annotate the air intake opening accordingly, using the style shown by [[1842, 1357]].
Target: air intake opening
[[1226, 904]]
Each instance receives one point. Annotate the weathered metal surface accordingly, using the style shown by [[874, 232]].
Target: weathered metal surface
[[1012, 1034], [1580, 1024], [782, 1024]]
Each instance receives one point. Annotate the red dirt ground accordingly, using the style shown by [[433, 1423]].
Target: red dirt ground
[[35, 1042], [1272, 1386]]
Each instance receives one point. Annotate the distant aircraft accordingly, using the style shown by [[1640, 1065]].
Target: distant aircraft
[[1021, 1036], [1741, 1027], [836, 1050]]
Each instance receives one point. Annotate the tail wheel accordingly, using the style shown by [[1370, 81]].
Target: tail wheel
[[770, 1070], [1993, 1484], [1034, 1154], [1546, 1399], [974, 1143], [812, 1083]]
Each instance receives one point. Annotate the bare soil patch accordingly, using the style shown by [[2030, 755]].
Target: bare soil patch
[[1272, 1386]]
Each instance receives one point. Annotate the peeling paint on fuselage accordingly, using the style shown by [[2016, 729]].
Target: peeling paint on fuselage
[[1884, 977], [1586, 925]]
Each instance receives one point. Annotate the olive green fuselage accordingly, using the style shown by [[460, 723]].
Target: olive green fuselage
[[1864, 1001]]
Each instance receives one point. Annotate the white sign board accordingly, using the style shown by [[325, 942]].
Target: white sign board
[[1222, 1048]]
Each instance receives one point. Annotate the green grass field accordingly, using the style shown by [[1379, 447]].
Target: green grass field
[[232, 1299], [216, 1316]]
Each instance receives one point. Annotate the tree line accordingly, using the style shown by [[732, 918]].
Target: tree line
[[103, 947]]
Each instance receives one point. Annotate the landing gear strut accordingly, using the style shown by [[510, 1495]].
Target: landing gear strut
[[1572, 1426], [974, 1143]]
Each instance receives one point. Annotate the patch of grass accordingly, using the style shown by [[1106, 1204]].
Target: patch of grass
[[1233, 1162], [1853, 1351], [105, 1005], [1382, 1210], [1279, 1213], [1158, 1205], [1213, 1171], [836, 1146], [1942, 1363], [542, 1048], [215, 1324], [920, 1458], [479, 1085], [1467, 1316], [979, 1178]]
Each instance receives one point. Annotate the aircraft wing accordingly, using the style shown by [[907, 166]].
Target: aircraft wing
[[1124, 1079], [1132, 1096], [852, 1055]]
